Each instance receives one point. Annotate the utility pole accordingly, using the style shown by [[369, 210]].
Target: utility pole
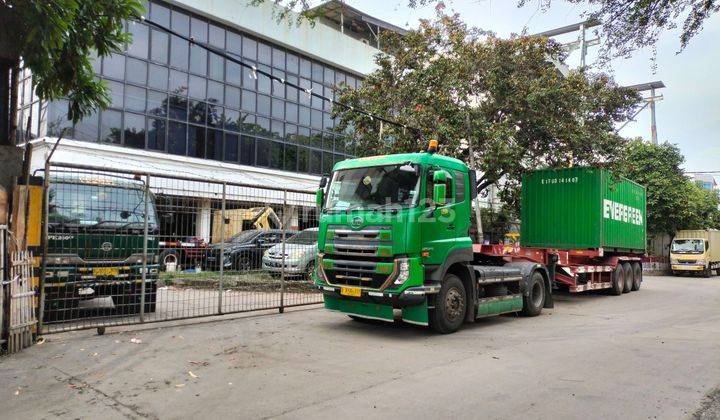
[[582, 43], [653, 126], [649, 101]]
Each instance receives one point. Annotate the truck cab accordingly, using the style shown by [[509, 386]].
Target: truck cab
[[695, 251], [95, 245], [394, 243]]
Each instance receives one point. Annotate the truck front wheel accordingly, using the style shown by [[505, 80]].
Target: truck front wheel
[[450, 305], [534, 300]]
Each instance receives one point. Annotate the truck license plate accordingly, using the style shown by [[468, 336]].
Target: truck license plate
[[105, 272], [350, 291]]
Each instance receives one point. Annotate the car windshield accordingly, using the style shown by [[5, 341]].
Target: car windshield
[[688, 246], [98, 204], [306, 237], [244, 236], [373, 187]]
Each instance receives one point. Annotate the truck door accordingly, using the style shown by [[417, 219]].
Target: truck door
[[438, 228]]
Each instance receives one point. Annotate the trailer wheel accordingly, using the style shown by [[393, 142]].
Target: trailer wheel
[[637, 276], [627, 285], [535, 300], [450, 304], [618, 280]]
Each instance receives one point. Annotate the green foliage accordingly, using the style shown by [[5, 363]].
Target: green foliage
[[498, 222], [453, 82], [56, 40], [674, 202]]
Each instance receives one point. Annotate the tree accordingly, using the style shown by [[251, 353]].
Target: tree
[[56, 40], [673, 201], [633, 24], [501, 97]]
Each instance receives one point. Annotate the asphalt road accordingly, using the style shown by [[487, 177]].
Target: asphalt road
[[648, 354]]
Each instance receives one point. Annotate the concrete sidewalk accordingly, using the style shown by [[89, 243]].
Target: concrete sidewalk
[[648, 354]]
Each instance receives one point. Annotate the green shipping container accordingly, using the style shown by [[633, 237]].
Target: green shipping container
[[582, 208]]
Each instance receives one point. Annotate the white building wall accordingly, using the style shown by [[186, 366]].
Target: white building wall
[[319, 41]]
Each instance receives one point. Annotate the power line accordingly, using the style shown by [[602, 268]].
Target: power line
[[256, 71]]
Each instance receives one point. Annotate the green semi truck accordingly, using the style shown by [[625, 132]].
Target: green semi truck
[[95, 246], [394, 241]]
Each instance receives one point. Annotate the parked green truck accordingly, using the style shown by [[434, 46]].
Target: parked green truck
[[95, 246], [394, 241]]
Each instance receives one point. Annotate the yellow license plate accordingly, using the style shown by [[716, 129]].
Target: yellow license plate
[[105, 272], [350, 291]]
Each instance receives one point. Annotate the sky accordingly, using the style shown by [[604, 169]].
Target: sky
[[688, 115]]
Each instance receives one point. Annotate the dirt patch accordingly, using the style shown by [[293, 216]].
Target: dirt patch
[[710, 407]]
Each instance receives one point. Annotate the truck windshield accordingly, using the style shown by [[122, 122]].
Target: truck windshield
[[688, 246], [98, 205], [374, 186]]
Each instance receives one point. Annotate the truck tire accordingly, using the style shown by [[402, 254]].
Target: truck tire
[[637, 276], [535, 300], [169, 255], [707, 272], [450, 305], [627, 286], [618, 280]]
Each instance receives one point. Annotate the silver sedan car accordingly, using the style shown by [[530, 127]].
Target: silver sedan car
[[300, 254]]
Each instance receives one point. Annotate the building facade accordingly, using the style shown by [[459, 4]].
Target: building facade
[[181, 100]]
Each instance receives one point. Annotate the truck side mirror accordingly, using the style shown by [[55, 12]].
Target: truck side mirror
[[319, 197], [439, 189]]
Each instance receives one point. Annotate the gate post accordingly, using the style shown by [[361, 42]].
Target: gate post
[[282, 263], [144, 272], [44, 244], [222, 249]]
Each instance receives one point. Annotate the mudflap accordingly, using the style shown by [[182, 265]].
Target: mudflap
[[417, 314]]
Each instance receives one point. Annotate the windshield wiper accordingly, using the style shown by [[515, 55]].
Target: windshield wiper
[[381, 206]]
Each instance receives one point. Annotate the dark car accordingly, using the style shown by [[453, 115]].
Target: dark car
[[244, 251]]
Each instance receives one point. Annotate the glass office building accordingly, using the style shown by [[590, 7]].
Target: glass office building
[[172, 97]]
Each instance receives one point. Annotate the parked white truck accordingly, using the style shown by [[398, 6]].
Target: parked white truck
[[695, 251]]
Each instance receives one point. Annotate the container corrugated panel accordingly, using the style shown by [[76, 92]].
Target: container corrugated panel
[[582, 208]]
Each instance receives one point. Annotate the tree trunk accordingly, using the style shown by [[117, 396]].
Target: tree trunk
[[5, 71], [12, 109]]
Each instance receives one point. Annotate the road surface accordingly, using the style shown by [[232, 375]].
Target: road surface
[[648, 354]]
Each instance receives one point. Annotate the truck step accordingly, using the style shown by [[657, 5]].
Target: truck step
[[498, 305]]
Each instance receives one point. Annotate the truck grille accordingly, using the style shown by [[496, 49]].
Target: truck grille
[[361, 258]]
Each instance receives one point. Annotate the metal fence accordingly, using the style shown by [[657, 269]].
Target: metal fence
[[128, 247]]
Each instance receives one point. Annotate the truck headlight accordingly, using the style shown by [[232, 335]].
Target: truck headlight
[[403, 271], [674, 261], [700, 262]]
